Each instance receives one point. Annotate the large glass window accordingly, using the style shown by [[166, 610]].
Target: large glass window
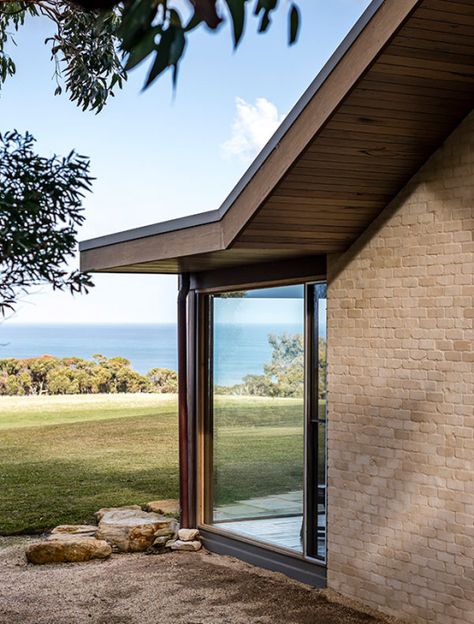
[[258, 414], [266, 449]]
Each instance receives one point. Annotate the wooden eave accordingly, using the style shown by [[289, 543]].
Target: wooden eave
[[394, 90]]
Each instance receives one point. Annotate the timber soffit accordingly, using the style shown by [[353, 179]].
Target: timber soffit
[[212, 232]]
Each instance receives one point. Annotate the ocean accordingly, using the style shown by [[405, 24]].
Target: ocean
[[241, 349]]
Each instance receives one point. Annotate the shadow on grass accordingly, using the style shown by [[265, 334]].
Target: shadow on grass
[[41, 495]]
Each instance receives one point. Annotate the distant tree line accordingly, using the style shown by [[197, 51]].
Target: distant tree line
[[283, 376], [73, 375]]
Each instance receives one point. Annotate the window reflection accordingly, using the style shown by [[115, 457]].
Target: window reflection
[[258, 414]]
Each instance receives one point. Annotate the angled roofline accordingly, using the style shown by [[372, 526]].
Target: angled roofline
[[214, 216], [162, 227]]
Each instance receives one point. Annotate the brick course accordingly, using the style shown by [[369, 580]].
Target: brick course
[[401, 399]]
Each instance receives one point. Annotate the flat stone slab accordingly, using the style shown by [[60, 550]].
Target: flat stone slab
[[99, 514], [59, 551], [133, 517], [168, 506], [131, 529], [186, 546], [72, 531]]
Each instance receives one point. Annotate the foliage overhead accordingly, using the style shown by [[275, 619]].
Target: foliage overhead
[[52, 375], [84, 48], [40, 211], [96, 42]]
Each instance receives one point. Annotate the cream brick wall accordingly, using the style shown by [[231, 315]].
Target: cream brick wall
[[401, 399]]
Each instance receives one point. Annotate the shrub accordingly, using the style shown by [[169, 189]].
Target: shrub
[[72, 375], [163, 380]]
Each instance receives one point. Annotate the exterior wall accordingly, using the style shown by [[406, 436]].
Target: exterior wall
[[401, 399]]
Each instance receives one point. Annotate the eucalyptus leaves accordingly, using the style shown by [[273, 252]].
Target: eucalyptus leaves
[[96, 42]]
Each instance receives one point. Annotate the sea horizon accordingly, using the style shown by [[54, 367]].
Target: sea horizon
[[145, 345]]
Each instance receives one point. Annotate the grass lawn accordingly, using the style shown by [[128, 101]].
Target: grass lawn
[[64, 457]]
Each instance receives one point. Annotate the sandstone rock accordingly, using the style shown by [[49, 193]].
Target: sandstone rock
[[73, 531], [59, 551], [169, 531], [187, 535], [180, 545], [160, 541], [100, 514], [170, 543], [169, 506], [132, 530]]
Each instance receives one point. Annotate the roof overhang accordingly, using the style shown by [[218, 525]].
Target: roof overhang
[[396, 87]]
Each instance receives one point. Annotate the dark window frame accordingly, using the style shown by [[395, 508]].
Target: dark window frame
[[204, 415]]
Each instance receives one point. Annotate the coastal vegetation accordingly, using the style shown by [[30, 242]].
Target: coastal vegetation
[[283, 375], [73, 375]]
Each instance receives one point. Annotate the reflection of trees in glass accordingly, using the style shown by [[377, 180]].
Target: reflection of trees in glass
[[286, 368], [283, 376]]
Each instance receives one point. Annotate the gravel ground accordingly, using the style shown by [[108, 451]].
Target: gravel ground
[[178, 588]]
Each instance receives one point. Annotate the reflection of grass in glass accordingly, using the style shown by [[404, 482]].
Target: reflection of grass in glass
[[258, 447]]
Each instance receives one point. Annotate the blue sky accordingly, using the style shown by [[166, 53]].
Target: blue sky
[[157, 156]]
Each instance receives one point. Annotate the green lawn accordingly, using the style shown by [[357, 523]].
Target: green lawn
[[64, 457]]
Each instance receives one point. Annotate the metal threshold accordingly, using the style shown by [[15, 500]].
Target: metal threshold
[[308, 571]]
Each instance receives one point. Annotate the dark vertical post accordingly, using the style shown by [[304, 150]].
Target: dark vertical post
[[183, 399], [311, 509], [316, 453], [192, 407]]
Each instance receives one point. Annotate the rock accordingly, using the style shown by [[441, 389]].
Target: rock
[[72, 531], [160, 541], [169, 507], [100, 514], [124, 516], [180, 545], [132, 530], [169, 531], [187, 535], [170, 543], [127, 539], [59, 551]]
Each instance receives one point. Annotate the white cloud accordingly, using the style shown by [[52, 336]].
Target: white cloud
[[252, 126]]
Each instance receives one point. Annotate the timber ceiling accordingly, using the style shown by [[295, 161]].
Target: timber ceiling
[[403, 85], [413, 96]]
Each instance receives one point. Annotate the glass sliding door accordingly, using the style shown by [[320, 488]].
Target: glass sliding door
[[257, 402], [265, 440]]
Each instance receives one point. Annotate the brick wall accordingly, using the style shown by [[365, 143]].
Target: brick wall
[[401, 397]]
